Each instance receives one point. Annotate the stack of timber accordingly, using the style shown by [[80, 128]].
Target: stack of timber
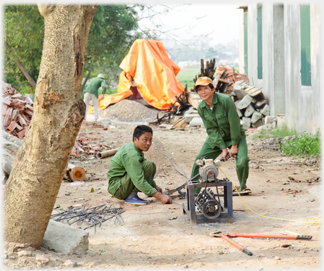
[[209, 71], [17, 111]]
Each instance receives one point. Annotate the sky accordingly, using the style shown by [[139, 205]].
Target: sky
[[217, 23]]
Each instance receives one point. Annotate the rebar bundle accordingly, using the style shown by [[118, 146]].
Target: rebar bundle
[[91, 216]]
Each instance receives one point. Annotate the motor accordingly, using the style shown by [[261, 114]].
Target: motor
[[206, 201], [208, 169]]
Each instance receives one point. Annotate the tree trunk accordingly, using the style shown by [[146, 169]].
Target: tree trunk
[[41, 161], [20, 65]]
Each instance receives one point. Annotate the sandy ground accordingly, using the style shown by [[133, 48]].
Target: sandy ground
[[285, 193]]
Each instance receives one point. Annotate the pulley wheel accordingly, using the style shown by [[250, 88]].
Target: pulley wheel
[[211, 209]]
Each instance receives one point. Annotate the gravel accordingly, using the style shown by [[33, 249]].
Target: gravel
[[129, 111]]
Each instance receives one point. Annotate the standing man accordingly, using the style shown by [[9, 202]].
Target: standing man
[[129, 172], [91, 93], [222, 124]]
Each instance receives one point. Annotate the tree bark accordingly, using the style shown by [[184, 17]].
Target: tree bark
[[41, 161], [20, 65]]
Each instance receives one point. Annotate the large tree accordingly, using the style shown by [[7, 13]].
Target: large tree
[[41, 161]]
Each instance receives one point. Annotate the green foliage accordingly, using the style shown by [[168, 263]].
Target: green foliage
[[24, 32], [112, 32], [303, 145], [186, 76]]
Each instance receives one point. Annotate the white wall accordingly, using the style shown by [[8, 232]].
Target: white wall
[[281, 83]]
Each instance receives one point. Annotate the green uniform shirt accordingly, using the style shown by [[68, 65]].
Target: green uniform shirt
[[94, 85], [222, 122], [128, 160]]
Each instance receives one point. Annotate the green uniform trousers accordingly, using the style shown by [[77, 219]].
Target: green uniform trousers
[[242, 160], [127, 186]]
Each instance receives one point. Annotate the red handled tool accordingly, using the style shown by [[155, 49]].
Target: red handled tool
[[227, 237]]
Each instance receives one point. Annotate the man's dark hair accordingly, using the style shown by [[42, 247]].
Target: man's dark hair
[[141, 129]]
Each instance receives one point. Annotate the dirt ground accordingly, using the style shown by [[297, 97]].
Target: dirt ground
[[285, 198]]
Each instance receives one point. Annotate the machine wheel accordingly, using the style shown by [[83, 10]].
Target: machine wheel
[[212, 209]]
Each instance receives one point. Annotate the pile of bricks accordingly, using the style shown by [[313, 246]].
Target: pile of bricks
[[82, 146], [17, 111], [225, 78]]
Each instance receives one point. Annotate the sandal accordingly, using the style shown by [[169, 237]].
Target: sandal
[[247, 190]]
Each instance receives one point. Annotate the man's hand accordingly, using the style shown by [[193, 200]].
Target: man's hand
[[224, 153], [165, 199], [159, 189], [233, 150]]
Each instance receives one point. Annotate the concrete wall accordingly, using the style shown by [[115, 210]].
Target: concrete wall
[[303, 105], [281, 82]]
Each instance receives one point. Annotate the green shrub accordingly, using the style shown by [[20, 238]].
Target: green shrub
[[303, 144]]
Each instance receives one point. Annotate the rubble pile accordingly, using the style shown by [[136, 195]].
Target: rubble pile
[[251, 106], [17, 111], [225, 78]]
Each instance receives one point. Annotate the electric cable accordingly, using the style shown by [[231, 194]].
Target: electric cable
[[175, 165], [316, 222]]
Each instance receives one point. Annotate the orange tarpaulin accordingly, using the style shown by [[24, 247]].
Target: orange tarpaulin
[[153, 72], [116, 97]]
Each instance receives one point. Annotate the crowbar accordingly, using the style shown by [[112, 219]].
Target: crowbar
[[227, 237]]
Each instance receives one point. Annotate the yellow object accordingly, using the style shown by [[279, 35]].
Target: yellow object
[[153, 72]]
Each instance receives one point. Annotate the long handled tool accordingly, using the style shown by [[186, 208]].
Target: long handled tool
[[227, 237]]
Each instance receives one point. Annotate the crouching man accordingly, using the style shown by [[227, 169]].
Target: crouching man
[[129, 172]]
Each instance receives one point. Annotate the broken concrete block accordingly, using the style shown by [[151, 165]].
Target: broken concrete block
[[189, 117], [259, 104], [191, 110], [246, 123], [265, 110], [257, 124], [245, 102], [65, 239], [196, 122], [239, 112], [270, 119], [281, 121], [237, 103], [265, 127], [249, 111], [256, 116], [239, 91]]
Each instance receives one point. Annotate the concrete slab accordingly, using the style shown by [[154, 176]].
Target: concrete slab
[[249, 111], [196, 122], [256, 116], [265, 110], [246, 123], [65, 239], [189, 117], [245, 102], [239, 91], [270, 119]]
